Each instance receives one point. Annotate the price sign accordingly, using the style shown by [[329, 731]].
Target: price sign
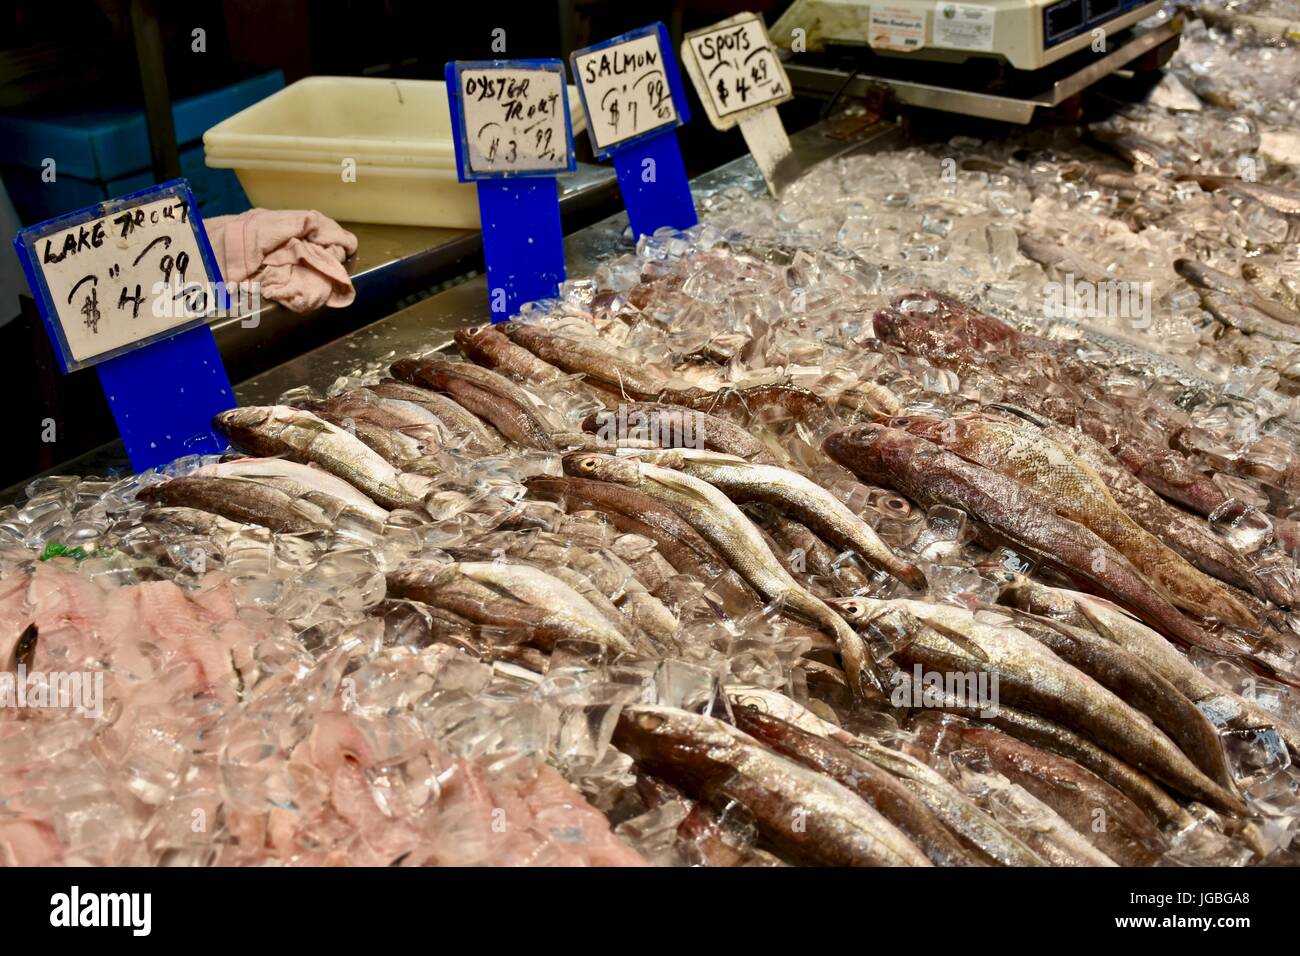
[[735, 69], [741, 82], [634, 98], [120, 275], [514, 119], [127, 286], [630, 87], [513, 136]]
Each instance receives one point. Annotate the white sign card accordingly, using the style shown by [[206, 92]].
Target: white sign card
[[625, 89], [121, 274], [516, 119], [735, 69]]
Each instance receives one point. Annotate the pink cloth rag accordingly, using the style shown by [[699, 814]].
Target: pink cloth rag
[[295, 255]]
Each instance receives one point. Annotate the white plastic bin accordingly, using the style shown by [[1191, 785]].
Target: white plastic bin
[[289, 151]]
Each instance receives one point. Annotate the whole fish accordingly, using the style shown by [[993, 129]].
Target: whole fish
[[560, 611], [1126, 833], [301, 481], [1190, 536], [1283, 200], [513, 411], [247, 502], [596, 359], [195, 521], [1049, 735], [801, 498], [757, 404], [1079, 493], [408, 419], [1032, 678], [1042, 829], [819, 557], [400, 451], [279, 430], [1215, 280], [734, 536], [555, 566], [798, 810], [881, 789], [489, 346], [674, 426], [1139, 685], [439, 626], [950, 334], [634, 512], [926, 473], [1222, 706], [1244, 317], [975, 827], [460, 420]]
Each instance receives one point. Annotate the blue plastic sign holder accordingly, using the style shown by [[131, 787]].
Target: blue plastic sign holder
[[513, 154], [156, 358], [634, 79]]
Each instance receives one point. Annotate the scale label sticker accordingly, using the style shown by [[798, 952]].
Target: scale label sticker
[[896, 28], [625, 89], [735, 69], [121, 274], [964, 26], [515, 118]]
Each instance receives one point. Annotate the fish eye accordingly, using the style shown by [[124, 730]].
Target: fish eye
[[902, 422]]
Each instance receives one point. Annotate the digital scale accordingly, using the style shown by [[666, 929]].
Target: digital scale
[[999, 59]]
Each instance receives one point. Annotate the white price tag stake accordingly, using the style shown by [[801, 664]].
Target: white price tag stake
[[741, 81], [516, 120]]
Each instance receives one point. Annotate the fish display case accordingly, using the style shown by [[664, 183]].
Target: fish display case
[[912, 516]]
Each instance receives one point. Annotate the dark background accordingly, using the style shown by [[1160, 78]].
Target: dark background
[[79, 52]]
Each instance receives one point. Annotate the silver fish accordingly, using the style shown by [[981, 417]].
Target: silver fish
[[798, 809], [281, 430], [719, 521], [804, 499]]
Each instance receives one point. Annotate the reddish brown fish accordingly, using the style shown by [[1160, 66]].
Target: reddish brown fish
[[1104, 815], [1010, 511], [488, 346]]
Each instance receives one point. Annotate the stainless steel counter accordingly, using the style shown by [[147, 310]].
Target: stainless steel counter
[[392, 263], [389, 256], [430, 324]]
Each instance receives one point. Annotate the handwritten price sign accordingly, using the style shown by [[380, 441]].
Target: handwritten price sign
[[628, 87], [735, 69], [120, 274], [514, 119]]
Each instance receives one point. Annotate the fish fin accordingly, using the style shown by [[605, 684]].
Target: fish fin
[[675, 482], [960, 639], [1083, 601]]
